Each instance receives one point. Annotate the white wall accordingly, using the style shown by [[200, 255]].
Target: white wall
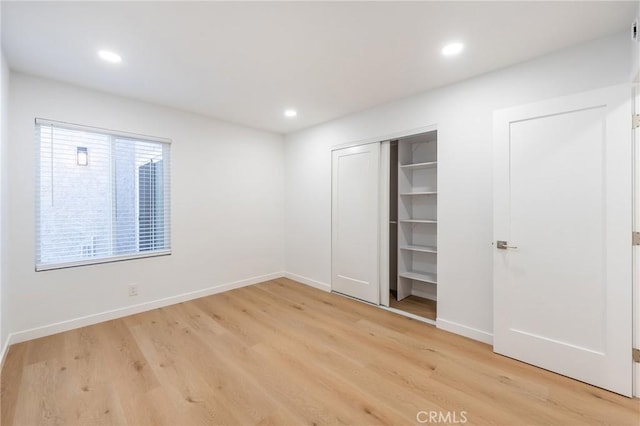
[[227, 207], [463, 115]]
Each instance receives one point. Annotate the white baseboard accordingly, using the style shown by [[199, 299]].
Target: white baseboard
[[466, 331], [5, 349], [47, 330], [308, 281]]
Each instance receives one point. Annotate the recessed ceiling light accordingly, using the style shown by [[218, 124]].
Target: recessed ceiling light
[[290, 113], [452, 49], [109, 56]]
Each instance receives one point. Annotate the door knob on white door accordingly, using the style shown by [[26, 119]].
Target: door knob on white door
[[502, 245]]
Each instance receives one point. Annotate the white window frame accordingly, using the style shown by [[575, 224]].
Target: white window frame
[[113, 258]]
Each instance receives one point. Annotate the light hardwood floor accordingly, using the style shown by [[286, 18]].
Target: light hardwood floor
[[415, 305], [285, 354]]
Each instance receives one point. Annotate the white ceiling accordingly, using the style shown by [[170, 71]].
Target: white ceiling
[[246, 62]]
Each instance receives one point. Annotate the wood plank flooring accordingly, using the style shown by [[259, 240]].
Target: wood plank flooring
[[415, 305], [283, 353]]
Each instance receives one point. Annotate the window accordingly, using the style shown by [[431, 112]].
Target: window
[[101, 195]]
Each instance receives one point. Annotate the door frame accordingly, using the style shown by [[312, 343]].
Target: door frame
[[635, 137], [383, 215]]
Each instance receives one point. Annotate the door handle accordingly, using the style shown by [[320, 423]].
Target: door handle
[[502, 245]]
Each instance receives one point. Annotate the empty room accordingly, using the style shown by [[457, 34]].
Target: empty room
[[324, 212]]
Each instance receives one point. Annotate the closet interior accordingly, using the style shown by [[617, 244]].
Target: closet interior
[[413, 224]]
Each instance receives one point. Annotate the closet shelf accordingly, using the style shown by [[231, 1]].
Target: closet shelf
[[418, 221], [420, 276], [426, 165], [416, 199], [423, 249], [420, 193]]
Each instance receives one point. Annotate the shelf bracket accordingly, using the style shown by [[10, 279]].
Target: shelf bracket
[[635, 121], [635, 238], [636, 355]]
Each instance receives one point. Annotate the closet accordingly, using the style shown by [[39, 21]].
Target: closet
[[385, 223], [413, 240]]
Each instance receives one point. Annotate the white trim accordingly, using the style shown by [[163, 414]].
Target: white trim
[[308, 281], [100, 260], [47, 330], [5, 350], [389, 137], [466, 331], [73, 126]]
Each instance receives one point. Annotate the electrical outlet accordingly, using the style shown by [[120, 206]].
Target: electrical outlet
[[133, 290]]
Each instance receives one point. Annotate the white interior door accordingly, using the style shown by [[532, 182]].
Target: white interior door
[[562, 202], [354, 222]]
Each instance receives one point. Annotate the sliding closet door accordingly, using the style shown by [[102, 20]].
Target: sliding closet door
[[355, 222]]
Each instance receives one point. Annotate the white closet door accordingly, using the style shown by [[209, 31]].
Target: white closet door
[[355, 222], [562, 203]]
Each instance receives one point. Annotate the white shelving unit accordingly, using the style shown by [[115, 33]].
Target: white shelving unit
[[409, 194], [418, 221], [424, 249], [424, 165], [418, 216], [420, 276]]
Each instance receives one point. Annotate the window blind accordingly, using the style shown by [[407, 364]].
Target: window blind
[[101, 195]]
